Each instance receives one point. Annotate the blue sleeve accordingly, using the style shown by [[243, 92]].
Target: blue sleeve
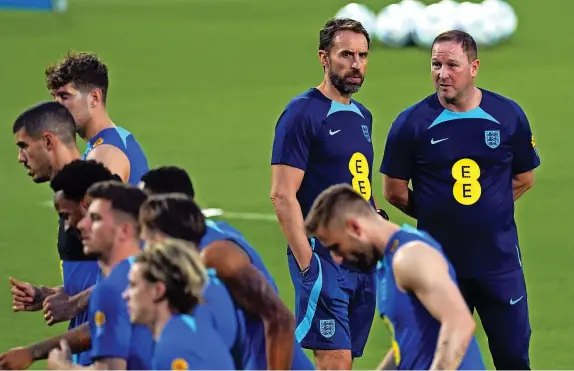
[[111, 337], [525, 155], [398, 155], [293, 136]]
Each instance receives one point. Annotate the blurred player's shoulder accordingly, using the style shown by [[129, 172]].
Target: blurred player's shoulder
[[118, 276]]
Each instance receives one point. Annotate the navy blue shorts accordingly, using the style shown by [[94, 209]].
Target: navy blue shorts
[[502, 304], [334, 306]]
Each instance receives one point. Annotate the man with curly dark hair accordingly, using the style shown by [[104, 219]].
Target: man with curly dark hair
[[71, 184], [80, 82]]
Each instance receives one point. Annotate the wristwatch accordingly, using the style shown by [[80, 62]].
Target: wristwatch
[[383, 214]]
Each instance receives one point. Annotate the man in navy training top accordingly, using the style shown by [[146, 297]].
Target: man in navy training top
[[80, 82], [470, 155], [430, 324], [323, 137], [46, 138], [110, 230]]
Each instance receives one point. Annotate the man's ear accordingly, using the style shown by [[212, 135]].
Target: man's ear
[[49, 141]]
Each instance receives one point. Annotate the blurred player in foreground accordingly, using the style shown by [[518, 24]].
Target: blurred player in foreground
[[240, 268], [46, 137], [219, 307], [470, 155], [110, 231], [323, 137], [418, 297], [166, 283], [70, 186], [80, 82]]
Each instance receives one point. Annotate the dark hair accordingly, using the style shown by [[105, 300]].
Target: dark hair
[[78, 176], [82, 70], [174, 215], [334, 202], [123, 197], [177, 264], [466, 42], [168, 179], [47, 117], [327, 33]]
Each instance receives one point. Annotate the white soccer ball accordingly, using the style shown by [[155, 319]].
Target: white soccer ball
[[433, 22], [393, 27], [473, 19], [502, 14], [412, 8], [450, 7], [359, 13]]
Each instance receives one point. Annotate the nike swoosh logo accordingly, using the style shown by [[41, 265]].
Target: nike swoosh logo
[[334, 132], [512, 302], [432, 141]]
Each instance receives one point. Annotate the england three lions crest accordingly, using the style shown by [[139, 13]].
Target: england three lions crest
[[366, 133], [492, 138], [327, 327]]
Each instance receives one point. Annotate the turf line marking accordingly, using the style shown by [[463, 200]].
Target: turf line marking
[[214, 212]]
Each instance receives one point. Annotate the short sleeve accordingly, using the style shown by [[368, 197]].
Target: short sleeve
[[293, 136], [110, 323], [398, 156], [525, 154]]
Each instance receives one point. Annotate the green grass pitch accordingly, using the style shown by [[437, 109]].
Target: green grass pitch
[[201, 83]]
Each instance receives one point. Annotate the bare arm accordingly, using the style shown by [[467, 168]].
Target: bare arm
[[285, 183], [113, 158], [420, 269], [251, 290], [388, 362], [100, 364], [80, 301], [522, 183], [398, 194], [78, 338]]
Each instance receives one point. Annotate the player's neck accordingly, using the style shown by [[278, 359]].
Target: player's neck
[[467, 102], [119, 253], [64, 156], [162, 318], [97, 124], [331, 92], [384, 233]]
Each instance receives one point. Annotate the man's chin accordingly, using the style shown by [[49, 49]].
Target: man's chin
[[91, 253]]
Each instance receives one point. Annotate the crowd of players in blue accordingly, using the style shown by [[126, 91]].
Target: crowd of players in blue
[[113, 210]]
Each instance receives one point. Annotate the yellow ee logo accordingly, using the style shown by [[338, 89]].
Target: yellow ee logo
[[533, 142], [466, 189], [179, 364], [98, 142], [360, 168], [99, 319]]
